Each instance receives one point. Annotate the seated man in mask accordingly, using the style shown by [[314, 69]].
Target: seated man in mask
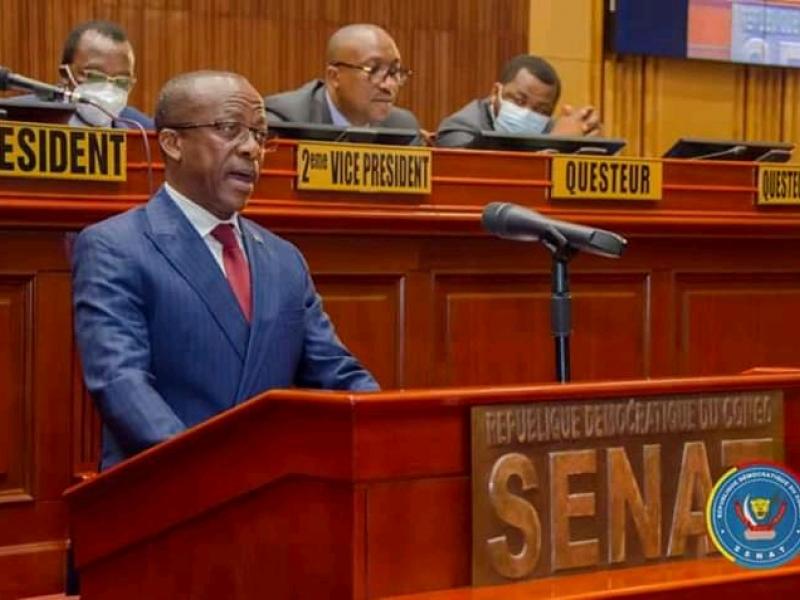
[[363, 76], [523, 101], [97, 62]]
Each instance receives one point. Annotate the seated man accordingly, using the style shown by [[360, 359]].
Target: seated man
[[362, 79], [183, 308], [97, 61], [522, 101]]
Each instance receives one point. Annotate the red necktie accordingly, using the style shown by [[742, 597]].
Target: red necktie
[[235, 265]]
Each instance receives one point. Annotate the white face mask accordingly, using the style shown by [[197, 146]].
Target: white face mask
[[109, 96], [516, 119]]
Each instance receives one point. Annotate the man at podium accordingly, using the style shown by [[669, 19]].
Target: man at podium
[[183, 308], [521, 102]]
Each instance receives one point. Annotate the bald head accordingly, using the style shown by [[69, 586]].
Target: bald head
[[211, 130], [359, 59], [351, 38], [182, 95]]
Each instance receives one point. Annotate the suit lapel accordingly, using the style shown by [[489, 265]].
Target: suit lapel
[[320, 112], [186, 251], [264, 276]]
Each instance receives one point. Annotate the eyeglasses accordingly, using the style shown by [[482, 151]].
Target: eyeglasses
[[233, 131], [377, 73], [123, 82]]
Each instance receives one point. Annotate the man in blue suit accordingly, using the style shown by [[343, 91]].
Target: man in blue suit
[[183, 308]]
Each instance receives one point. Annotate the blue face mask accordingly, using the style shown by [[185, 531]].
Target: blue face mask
[[516, 119]]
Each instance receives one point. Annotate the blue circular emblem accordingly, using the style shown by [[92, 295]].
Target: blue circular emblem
[[753, 516]]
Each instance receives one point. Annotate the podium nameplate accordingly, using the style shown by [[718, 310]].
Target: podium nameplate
[[605, 483]]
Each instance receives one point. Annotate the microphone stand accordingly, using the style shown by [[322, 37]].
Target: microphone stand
[[560, 300]]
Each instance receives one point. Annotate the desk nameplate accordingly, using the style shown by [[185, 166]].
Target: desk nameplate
[[363, 168], [579, 177], [62, 152], [778, 186]]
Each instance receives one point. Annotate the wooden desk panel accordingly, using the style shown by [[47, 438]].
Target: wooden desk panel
[[709, 285]]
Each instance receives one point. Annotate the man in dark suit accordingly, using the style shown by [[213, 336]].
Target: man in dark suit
[[183, 308], [97, 61], [363, 76], [522, 101]]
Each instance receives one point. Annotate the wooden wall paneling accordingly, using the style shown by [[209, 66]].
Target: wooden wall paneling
[[16, 398], [367, 311], [623, 101], [725, 342], [764, 90], [455, 47], [53, 388], [494, 328], [35, 404], [569, 33], [418, 333], [692, 99], [790, 107]]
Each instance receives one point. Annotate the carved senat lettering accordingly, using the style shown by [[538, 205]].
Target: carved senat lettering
[[624, 493], [517, 512], [566, 553], [694, 485]]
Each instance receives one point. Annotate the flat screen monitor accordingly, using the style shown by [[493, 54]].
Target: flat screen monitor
[[561, 144], [702, 149], [762, 32], [333, 133], [381, 135]]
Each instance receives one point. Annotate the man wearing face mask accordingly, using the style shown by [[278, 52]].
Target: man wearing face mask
[[97, 62], [363, 76], [522, 102]]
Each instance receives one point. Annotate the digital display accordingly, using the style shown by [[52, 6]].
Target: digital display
[[765, 32], [749, 31]]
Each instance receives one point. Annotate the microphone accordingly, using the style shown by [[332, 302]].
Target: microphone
[[514, 222], [9, 80], [732, 151]]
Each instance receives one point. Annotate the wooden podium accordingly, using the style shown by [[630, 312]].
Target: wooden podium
[[300, 494]]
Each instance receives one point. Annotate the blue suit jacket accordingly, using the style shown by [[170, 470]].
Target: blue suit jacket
[[163, 342]]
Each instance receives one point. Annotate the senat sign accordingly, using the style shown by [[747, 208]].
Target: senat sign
[[53, 152], [778, 185], [363, 168], [594, 484], [606, 178]]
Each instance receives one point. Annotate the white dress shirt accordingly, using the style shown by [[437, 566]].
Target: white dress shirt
[[204, 222]]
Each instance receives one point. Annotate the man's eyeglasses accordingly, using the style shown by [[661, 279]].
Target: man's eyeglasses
[[233, 131], [123, 82], [377, 73]]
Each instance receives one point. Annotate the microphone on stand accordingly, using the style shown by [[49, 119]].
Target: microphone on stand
[[514, 222]]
